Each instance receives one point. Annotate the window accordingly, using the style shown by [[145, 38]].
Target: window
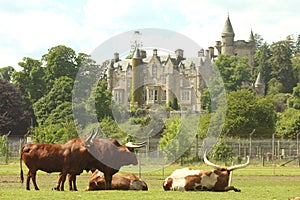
[[154, 69], [185, 95], [181, 82], [155, 95], [192, 82], [151, 95]]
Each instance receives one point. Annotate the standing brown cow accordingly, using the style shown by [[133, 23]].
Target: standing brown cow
[[108, 157], [53, 158]]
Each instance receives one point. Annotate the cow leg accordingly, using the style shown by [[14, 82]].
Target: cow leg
[[33, 175], [232, 188], [108, 179], [70, 179], [74, 183], [28, 180], [63, 179]]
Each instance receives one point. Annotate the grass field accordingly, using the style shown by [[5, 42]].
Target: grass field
[[256, 182]]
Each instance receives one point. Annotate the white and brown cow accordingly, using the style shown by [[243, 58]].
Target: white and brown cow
[[188, 179], [119, 182]]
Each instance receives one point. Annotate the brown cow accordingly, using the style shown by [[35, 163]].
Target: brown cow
[[119, 182], [53, 158], [108, 157], [187, 179]]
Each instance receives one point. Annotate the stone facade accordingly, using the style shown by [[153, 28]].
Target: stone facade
[[158, 79]]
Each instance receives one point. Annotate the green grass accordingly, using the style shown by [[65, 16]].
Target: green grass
[[256, 182]]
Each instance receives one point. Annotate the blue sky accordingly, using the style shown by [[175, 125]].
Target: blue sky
[[29, 28]]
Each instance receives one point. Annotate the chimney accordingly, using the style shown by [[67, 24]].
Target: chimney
[[179, 53], [201, 53], [116, 57], [143, 54], [211, 51], [155, 52]]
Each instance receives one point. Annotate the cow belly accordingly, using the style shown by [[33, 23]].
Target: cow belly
[[178, 184]]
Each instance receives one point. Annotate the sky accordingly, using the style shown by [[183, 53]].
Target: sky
[[29, 28]]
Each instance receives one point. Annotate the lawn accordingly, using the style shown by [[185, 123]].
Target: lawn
[[256, 182]]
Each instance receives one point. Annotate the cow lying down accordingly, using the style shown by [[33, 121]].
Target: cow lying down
[[119, 182], [188, 179]]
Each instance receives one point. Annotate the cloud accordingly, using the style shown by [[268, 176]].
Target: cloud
[[29, 28]]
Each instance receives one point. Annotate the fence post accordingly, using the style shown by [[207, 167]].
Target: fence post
[[7, 148]]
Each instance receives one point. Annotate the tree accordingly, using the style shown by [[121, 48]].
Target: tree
[[262, 63], [54, 133], [234, 70], [14, 114], [294, 101], [31, 79], [59, 61], [246, 112], [102, 100], [288, 124], [281, 65], [56, 103], [110, 128], [222, 152], [6, 73]]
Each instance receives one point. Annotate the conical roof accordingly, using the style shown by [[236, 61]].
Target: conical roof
[[251, 37], [228, 27], [259, 81], [137, 54]]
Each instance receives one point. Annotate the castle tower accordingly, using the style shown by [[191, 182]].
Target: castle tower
[[137, 79], [227, 45], [259, 85], [110, 76]]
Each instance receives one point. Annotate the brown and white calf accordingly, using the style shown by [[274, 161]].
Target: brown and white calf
[[188, 179], [119, 182]]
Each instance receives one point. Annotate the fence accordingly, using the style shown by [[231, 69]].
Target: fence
[[264, 150]]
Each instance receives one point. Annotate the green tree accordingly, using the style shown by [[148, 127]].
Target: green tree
[[59, 61], [102, 100], [234, 70], [246, 112], [294, 101], [110, 128], [30, 79], [54, 133], [205, 100], [54, 101], [262, 63], [288, 124], [14, 113], [222, 152], [6, 73], [281, 65]]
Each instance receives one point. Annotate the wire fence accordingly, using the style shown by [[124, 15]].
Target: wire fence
[[262, 151]]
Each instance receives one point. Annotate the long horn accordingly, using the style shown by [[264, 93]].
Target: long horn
[[90, 138], [240, 166], [210, 163], [131, 145]]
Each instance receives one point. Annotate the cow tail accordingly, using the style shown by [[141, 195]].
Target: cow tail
[[21, 171]]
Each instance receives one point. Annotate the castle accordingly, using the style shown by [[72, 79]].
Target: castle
[[160, 79]]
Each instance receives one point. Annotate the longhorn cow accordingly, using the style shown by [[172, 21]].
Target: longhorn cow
[[188, 179], [108, 156]]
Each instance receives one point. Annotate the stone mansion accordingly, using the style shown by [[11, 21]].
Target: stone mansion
[[158, 79]]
